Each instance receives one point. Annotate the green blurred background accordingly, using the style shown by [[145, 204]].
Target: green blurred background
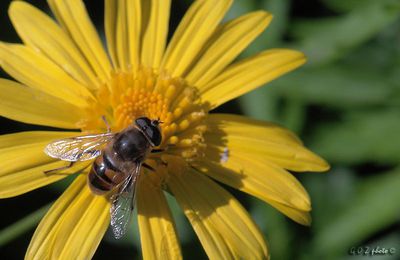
[[344, 104]]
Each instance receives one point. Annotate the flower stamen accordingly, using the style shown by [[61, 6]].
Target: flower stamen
[[144, 92]]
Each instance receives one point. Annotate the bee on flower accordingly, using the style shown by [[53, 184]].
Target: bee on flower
[[140, 109]]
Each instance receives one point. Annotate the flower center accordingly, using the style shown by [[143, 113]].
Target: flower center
[[143, 92]]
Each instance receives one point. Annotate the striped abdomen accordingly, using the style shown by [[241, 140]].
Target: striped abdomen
[[118, 160], [104, 175]]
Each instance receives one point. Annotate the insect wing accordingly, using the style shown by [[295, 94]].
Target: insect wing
[[80, 148], [123, 203]]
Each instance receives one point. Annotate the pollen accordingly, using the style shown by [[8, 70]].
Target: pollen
[[145, 92]]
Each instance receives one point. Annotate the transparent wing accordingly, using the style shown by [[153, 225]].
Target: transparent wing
[[81, 148], [123, 203]]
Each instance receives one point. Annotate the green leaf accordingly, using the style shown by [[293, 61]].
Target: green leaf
[[328, 39], [260, 104], [364, 136], [346, 5], [340, 181], [272, 37], [342, 86], [373, 208], [239, 8], [22, 226]]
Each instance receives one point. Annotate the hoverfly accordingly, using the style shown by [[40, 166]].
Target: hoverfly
[[119, 157]]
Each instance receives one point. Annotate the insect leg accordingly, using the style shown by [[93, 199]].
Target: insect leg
[[52, 171], [145, 165], [103, 117], [157, 150]]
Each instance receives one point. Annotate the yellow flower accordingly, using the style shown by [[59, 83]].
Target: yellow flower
[[67, 80]]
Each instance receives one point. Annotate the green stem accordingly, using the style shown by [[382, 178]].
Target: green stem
[[23, 225]]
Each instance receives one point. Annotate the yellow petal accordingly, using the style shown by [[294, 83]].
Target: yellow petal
[[121, 36], [31, 137], [110, 28], [123, 27], [299, 216], [196, 27], [37, 30], [157, 228], [73, 227], [227, 42], [21, 182], [82, 226], [43, 239], [23, 164], [18, 156], [134, 24], [155, 31], [258, 177], [35, 107], [74, 18], [248, 74], [224, 228], [264, 141], [35, 70], [267, 182], [217, 123]]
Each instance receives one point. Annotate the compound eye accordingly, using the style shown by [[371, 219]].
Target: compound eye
[[143, 123], [150, 129], [154, 135]]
